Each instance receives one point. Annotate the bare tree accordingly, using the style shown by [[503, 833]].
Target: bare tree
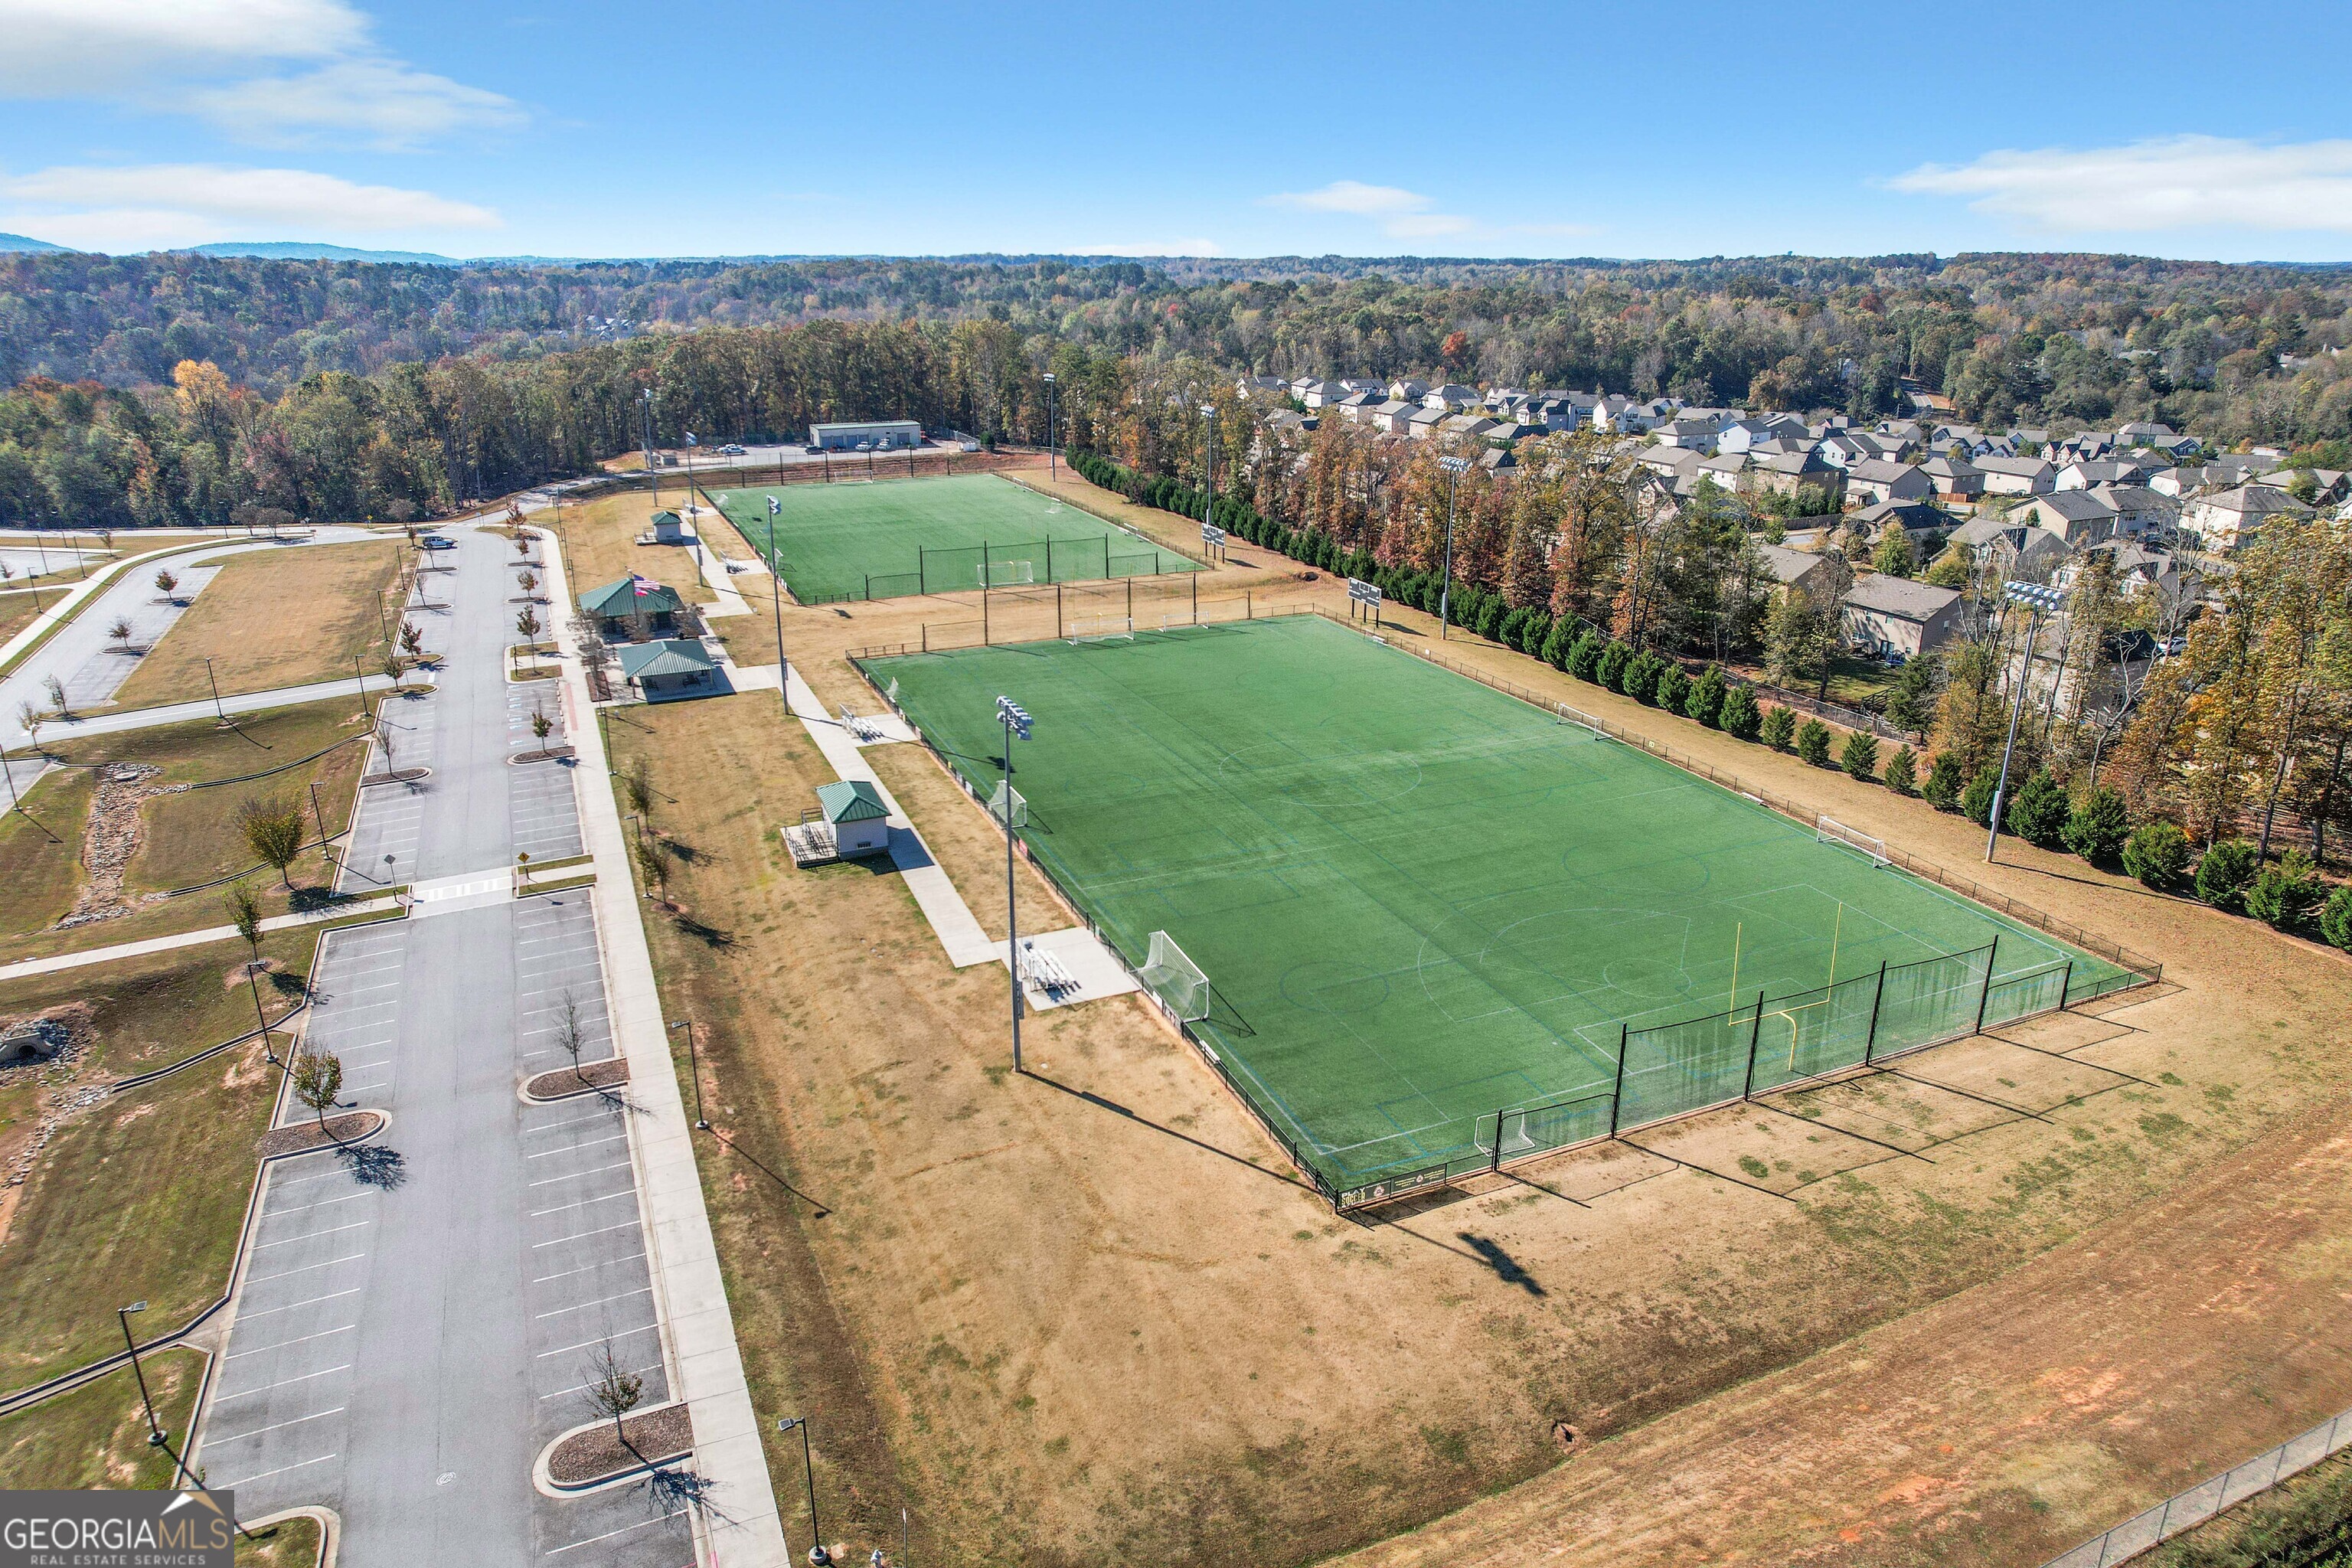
[[653, 863], [31, 718], [613, 1391], [319, 1082], [121, 632], [57, 690], [638, 786], [571, 1031], [272, 826]]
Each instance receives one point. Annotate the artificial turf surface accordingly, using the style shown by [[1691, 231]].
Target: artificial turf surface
[[886, 538], [1419, 901]]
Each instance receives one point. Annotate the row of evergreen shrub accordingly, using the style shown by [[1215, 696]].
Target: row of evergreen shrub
[[2288, 894]]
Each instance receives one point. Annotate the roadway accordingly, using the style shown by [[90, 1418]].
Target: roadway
[[403, 1348]]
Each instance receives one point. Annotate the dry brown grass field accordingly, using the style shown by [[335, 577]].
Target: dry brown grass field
[[600, 545], [1967, 1311], [273, 618]]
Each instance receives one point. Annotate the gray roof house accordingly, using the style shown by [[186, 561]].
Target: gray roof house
[[2227, 520], [1890, 615], [1790, 568], [1876, 479], [2017, 476], [2076, 518], [1425, 421]]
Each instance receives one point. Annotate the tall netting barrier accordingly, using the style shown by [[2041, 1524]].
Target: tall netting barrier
[[1532, 1130], [1934, 999], [1674, 1068], [2016, 996], [1824, 1030]]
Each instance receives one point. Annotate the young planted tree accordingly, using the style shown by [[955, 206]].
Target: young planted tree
[[319, 1082], [244, 906], [1704, 701], [272, 827], [612, 1391], [541, 726], [1975, 801], [1813, 742], [1610, 671], [1911, 706], [2224, 872], [2283, 896], [2335, 918], [121, 634], [1672, 687], [31, 719], [1740, 717], [521, 541], [527, 579], [571, 1031], [653, 865], [167, 584], [57, 691], [1860, 757], [638, 786], [1778, 727], [412, 638], [527, 624], [1943, 786]]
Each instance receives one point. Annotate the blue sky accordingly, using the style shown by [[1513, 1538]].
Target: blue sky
[[593, 128]]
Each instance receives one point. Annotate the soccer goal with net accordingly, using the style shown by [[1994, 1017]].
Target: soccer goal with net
[[1102, 628], [999, 804], [1007, 573], [1175, 979], [1829, 830], [1581, 719]]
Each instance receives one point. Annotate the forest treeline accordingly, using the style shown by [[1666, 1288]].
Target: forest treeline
[[168, 389]]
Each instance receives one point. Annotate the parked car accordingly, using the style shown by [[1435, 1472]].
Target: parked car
[[866, 445], [436, 541], [731, 451]]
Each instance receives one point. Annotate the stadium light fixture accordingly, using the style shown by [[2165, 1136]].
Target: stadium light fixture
[[1208, 446], [2038, 599], [1454, 467], [1017, 722]]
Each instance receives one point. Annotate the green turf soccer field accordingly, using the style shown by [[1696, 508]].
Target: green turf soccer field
[[1419, 901], [885, 538]]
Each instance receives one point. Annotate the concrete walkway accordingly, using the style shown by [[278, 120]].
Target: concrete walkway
[[31, 967], [743, 1528], [182, 713]]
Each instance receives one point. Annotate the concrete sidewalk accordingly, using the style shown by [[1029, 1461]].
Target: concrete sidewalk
[[742, 1527], [182, 713], [31, 967]]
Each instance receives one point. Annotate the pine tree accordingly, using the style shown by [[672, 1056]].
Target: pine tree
[[2099, 826], [1860, 757], [1704, 701], [1942, 789], [1740, 716], [1778, 726], [1813, 742], [1902, 771], [2038, 813]]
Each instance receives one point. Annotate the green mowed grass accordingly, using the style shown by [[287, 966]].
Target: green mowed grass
[[893, 537], [1421, 901]]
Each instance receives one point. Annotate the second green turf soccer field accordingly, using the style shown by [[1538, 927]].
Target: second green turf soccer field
[[887, 538], [1419, 900]]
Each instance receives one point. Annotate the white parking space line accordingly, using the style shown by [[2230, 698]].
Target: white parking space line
[[578, 1387], [590, 1267], [627, 1191], [282, 1344], [578, 1175], [601, 1339], [575, 1148], [248, 1480], [307, 1235], [626, 1529], [583, 1235], [290, 1306], [307, 1267], [322, 1203], [643, 1290], [281, 1382], [212, 1442], [575, 1121]]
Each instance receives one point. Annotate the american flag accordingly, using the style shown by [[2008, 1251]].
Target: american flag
[[643, 586]]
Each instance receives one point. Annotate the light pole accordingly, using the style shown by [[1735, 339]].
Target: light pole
[[818, 1557], [776, 593], [218, 712], [646, 429], [1017, 722], [1049, 428], [1209, 445], [689, 482], [2036, 598], [694, 1066], [123, 1316], [1454, 467]]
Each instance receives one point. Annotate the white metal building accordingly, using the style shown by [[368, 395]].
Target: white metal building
[[879, 435]]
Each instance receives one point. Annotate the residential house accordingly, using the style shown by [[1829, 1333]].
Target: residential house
[[1469, 425], [2017, 476], [1357, 407], [1916, 519], [2329, 485], [1724, 468], [1322, 394], [1885, 614], [1956, 479], [2140, 512], [1739, 434], [2137, 569], [1406, 390], [2142, 434], [1273, 385], [1390, 417], [1554, 414], [2085, 473], [2020, 438], [1511, 430], [1450, 397], [1790, 473], [1291, 419], [1425, 420], [1678, 466], [1354, 385], [1498, 459], [2024, 549], [2229, 519], [1697, 434], [1878, 479], [1795, 570], [2074, 517]]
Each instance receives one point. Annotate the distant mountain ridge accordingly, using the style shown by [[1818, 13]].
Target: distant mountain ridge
[[306, 250], [21, 244]]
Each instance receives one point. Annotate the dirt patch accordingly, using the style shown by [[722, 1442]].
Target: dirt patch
[[599, 1452], [563, 1082]]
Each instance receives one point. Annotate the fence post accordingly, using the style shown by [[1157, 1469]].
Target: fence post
[[1196, 598], [1496, 1162], [1617, 1093], [1755, 1034], [1057, 592], [1983, 1000], [2068, 986], [922, 569], [1249, 613], [1870, 1039], [1130, 593]]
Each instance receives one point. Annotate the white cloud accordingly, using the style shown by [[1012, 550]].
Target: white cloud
[[1407, 215], [1153, 248], [1355, 197], [204, 56], [157, 206], [382, 101], [2175, 183]]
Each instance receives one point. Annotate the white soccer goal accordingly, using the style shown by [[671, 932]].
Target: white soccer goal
[[890, 692], [1102, 628], [1006, 574], [1020, 805], [1172, 619], [1175, 979], [1829, 830], [1581, 719]]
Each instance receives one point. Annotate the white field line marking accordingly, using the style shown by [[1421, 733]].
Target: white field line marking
[[575, 1148], [575, 1121], [628, 1192], [624, 1530]]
